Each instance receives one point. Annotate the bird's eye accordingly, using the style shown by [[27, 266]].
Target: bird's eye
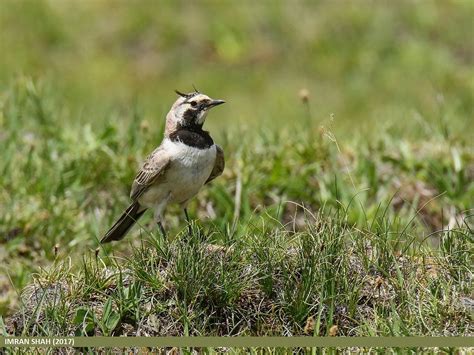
[[193, 103]]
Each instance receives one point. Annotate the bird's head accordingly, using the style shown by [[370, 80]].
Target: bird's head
[[189, 111]]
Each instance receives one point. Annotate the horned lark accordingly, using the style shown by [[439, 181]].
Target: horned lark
[[186, 159]]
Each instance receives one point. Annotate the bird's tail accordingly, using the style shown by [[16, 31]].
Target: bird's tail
[[124, 223]]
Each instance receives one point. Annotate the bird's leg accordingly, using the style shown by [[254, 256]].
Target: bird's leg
[[190, 230], [162, 229], [159, 209]]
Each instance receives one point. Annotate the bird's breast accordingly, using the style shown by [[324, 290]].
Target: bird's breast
[[189, 169]]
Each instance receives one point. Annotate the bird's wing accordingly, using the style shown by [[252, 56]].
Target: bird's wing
[[218, 165], [154, 166]]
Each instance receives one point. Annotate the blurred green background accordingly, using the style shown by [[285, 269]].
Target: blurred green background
[[401, 66]]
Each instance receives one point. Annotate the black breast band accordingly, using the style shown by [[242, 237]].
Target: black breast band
[[194, 138]]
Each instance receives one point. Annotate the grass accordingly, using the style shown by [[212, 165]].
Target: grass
[[346, 205], [349, 239], [187, 288], [270, 283]]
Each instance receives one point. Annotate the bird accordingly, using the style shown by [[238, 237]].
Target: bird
[[178, 168]]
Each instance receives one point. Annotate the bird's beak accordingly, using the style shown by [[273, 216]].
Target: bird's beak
[[215, 103]]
